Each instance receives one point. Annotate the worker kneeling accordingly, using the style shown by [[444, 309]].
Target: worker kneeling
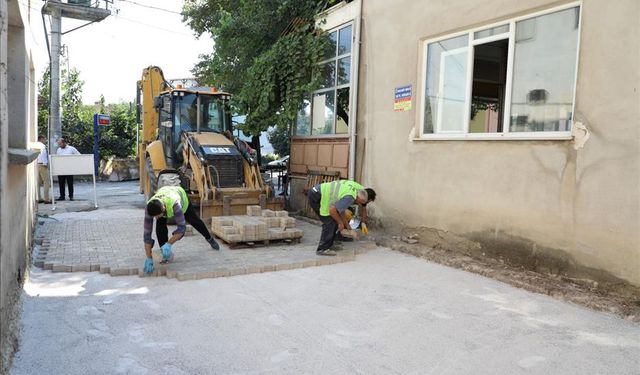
[[329, 201], [170, 202]]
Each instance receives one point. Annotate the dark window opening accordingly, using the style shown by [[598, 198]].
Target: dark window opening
[[489, 82]]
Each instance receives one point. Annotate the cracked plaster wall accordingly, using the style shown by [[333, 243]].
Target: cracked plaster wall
[[579, 197]]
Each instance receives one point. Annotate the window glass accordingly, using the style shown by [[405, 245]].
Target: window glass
[[330, 51], [490, 32], [344, 43], [342, 111], [344, 70], [303, 122], [544, 72], [211, 110], [328, 71], [446, 85], [323, 112], [326, 111]]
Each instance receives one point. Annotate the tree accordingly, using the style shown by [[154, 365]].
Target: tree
[[265, 53], [117, 139], [44, 93], [280, 140]]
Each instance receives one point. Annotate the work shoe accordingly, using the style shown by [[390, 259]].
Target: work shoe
[[60, 199], [213, 243], [341, 238], [327, 252]]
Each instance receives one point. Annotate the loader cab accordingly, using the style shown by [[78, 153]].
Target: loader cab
[[178, 113]]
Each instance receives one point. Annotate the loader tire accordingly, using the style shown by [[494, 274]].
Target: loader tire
[[153, 181]]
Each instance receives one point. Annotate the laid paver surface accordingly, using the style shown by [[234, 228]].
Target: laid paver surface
[[110, 241]]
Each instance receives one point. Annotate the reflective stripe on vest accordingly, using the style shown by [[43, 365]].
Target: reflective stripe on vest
[[331, 192], [169, 195]]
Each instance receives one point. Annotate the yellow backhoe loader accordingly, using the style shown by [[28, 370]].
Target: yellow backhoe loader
[[187, 139]]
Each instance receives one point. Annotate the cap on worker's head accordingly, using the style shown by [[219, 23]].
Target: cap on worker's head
[[362, 194], [371, 194], [154, 207]]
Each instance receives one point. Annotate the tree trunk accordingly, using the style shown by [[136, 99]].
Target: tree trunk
[[255, 143]]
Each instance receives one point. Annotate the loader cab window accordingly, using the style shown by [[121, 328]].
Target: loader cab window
[[165, 128], [211, 110]]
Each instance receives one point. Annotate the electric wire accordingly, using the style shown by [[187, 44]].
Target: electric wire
[[152, 7]]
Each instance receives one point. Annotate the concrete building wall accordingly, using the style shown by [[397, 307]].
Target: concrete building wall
[[527, 197], [18, 181]]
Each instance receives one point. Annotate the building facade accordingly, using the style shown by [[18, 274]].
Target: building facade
[[18, 182], [513, 125]]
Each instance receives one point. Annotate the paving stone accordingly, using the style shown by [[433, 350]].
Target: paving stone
[[268, 268], [119, 272], [186, 276], [61, 268], [113, 245]]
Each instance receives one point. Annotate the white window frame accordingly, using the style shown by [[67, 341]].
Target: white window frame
[[510, 35]]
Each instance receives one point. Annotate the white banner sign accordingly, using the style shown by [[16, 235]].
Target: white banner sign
[[63, 165], [69, 165]]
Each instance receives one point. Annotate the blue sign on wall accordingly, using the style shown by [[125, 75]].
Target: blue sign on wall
[[403, 98]]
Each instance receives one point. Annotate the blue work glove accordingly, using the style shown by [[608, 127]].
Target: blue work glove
[[166, 251], [148, 265]]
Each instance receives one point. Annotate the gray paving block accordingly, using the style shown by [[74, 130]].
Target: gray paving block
[[172, 274], [119, 272], [61, 268], [268, 268], [186, 276], [81, 268], [309, 263], [238, 271]]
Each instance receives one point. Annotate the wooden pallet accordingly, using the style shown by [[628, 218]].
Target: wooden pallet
[[319, 177], [263, 243]]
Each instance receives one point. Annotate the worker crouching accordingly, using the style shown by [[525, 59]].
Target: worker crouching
[[329, 201], [170, 202]]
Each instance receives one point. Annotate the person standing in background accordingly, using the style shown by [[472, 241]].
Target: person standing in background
[[65, 149], [43, 170]]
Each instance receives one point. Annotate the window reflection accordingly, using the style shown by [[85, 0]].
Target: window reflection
[[303, 122], [342, 111], [344, 45], [544, 72], [344, 70], [446, 85], [330, 50], [323, 112]]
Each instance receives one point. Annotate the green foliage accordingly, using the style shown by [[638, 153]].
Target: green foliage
[[280, 140], [118, 139], [265, 54], [269, 157], [44, 93]]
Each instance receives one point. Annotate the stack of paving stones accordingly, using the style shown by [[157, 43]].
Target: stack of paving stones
[[114, 246], [258, 226]]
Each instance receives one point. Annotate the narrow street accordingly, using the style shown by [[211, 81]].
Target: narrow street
[[381, 312]]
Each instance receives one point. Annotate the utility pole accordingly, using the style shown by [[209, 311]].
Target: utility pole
[[76, 9]]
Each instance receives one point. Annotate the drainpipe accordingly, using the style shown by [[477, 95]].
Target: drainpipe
[[354, 95]]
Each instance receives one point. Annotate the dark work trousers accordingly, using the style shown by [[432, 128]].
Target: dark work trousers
[[191, 217], [61, 180], [329, 226]]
